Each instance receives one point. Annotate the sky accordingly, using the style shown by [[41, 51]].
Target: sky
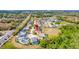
[[39, 4]]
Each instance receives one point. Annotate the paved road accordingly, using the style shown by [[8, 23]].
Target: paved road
[[5, 37], [8, 35]]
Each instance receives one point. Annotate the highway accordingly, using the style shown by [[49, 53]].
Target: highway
[[9, 34], [5, 37]]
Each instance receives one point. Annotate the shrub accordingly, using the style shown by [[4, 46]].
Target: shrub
[[43, 43]]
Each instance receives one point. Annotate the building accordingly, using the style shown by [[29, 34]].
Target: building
[[33, 39], [23, 40], [36, 25]]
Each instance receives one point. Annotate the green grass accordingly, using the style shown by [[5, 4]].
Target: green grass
[[68, 39], [8, 45]]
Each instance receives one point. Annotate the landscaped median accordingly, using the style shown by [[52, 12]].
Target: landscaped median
[[22, 25]]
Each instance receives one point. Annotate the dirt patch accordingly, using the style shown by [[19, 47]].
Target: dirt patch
[[51, 31], [5, 26]]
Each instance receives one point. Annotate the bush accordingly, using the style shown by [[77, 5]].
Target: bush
[[43, 43]]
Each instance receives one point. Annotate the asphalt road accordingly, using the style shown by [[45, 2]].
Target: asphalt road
[[8, 35], [5, 37]]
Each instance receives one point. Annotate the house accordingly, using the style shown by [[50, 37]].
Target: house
[[23, 40], [33, 39]]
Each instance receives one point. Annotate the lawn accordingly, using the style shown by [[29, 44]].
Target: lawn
[[8, 45], [68, 38]]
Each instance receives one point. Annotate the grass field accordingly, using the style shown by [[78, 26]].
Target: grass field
[[69, 38], [8, 45]]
